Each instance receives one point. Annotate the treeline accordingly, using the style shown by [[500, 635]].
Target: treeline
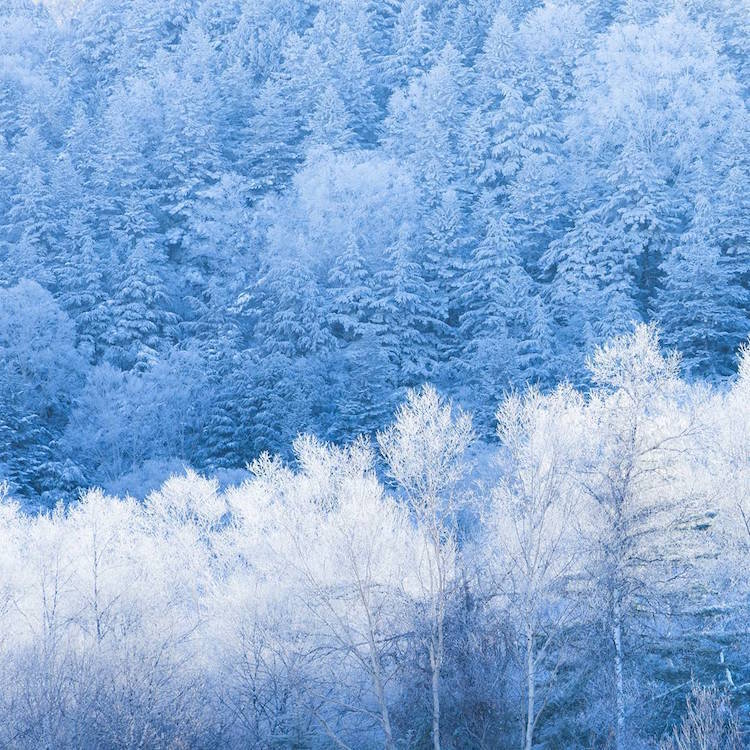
[[585, 586], [223, 223]]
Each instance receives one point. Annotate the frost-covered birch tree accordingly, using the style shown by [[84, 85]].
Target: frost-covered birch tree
[[425, 449]]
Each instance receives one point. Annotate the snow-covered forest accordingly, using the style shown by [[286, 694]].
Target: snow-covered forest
[[374, 374], [590, 592], [227, 222]]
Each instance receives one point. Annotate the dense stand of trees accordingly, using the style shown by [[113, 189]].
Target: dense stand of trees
[[589, 590], [223, 223]]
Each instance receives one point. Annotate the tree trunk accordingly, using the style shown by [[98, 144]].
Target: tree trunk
[[619, 689], [379, 689], [530, 686], [435, 666], [436, 637]]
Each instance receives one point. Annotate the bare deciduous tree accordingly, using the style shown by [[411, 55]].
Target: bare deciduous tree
[[425, 449]]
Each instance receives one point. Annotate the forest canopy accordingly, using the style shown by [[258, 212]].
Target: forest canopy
[[374, 374], [589, 591], [225, 223]]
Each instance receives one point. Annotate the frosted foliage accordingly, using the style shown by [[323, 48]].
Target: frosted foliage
[[374, 374], [227, 224]]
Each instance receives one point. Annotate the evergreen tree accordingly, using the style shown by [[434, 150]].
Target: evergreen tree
[[487, 320], [411, 42], [141, 317], [33, 225], [704, 308], [187, 158], [215, 242], [593, 288], [498, 59], [443, 259], [330, 124], [40, 373], [287, 312], [366, 380], [351, 294], [27, 450], [364, 389], [425, 122], [276, 132], [404, 313], [353, 77], [227, 439], [83, 294]]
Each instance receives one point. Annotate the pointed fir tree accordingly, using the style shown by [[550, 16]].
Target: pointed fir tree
[[489, 356], [704, 309], [33, 224], [288, 310], [405, 315], [27, 450], [443, 264], [329, 124], [364, 389], [275, 136], [216, 242], [226, 440], [411, 42], [142, 319], [350, 293], [498, 57], [366, 380], [83, 294], [354, 77], [425, 121]]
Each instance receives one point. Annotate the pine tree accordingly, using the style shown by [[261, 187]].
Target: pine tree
[[405, 315], [484, 294], [275, 136], [366, 380], [353, 77], [83, 294], [704, 308], [141, 317], [425, 122], [288, 310], [215, 243], [330, 123], [474, 145], [489, 352], [227, 438], [27, 450], [286, 395], [644, 219], [443, 259], [411, 42], [537, 196], [498, 57], [33, 225], [187, 159], [351, 294], [364, 389], [593, 292], [40, 372]]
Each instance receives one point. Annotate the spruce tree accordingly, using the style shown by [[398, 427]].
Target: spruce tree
[[142, 320], [703, 307], [83, 293]]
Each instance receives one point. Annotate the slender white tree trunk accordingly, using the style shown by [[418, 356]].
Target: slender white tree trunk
[[438, 586], [435, 666], [385, 716], [530, 686], [619, 689], [379, 687]]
